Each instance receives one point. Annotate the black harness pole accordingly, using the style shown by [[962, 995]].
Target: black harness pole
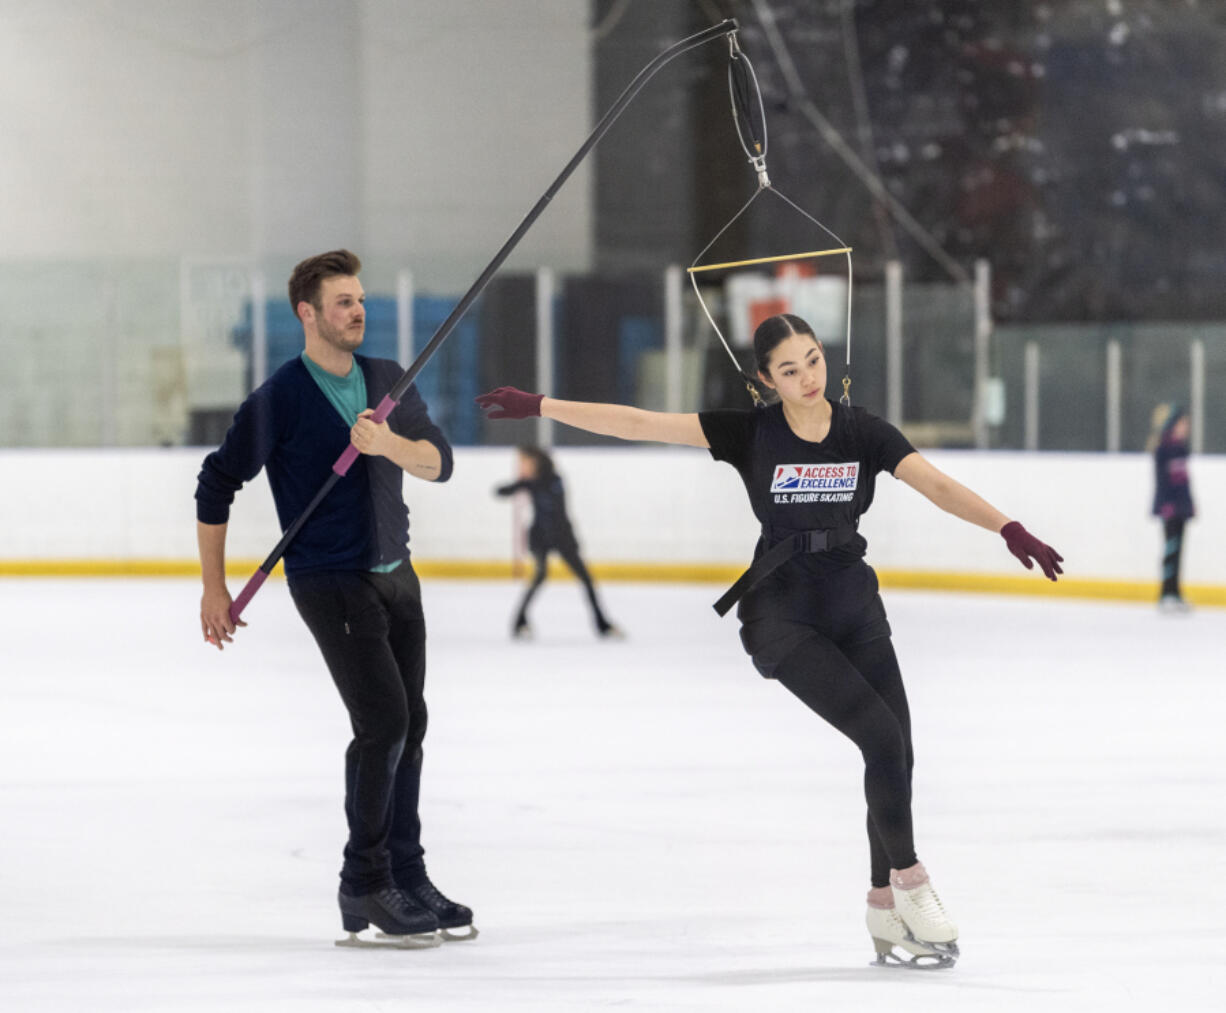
[[343, 463]]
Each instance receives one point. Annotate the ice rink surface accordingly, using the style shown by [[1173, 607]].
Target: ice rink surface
[[644, 824]]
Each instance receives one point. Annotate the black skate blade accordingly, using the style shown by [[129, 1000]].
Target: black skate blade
[[382, 941]]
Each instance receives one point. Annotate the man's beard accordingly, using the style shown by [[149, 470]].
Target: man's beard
[[344, 339]]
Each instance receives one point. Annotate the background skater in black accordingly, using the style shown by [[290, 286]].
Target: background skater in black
[[350, 576], [810, 613], [1172, 497], [550, 531]]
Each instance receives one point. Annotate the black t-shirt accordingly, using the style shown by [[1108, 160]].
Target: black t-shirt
[[796, 485]]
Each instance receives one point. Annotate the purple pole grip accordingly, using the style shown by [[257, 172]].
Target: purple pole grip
[[247, 593], [383, 409], [345, 461], [351, 453]]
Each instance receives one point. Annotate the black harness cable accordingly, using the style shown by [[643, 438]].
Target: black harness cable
[[727, 27]]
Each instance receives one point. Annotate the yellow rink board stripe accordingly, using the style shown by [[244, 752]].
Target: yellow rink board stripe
[[713, 573]]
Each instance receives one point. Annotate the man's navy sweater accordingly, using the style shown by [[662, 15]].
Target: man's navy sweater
[[289, 427]]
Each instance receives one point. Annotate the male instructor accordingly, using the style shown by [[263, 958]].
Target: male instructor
[[350, 577]]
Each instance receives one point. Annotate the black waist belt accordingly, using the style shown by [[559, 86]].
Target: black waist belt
[[818, 540]]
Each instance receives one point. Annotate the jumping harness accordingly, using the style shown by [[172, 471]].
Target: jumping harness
[[817, 540]]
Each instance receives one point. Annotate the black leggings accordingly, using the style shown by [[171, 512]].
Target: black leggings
[[859, 691], [1172, 551], [372, 633], [569, 551], [839, 661]]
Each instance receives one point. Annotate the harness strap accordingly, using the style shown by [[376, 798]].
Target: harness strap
[[817, 540]]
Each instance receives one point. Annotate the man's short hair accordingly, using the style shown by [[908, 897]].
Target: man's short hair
[[308, 275]]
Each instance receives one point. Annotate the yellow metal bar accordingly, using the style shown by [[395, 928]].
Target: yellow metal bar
[[769, 260]]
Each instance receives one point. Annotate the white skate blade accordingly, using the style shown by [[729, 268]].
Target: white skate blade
[[949, 950], [460, 934], [382, 941], [888, 957]]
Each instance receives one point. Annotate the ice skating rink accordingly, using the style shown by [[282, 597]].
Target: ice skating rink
[[644, 824]]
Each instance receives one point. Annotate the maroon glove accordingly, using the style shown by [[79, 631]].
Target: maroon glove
[[510, 403], [1025, 546]]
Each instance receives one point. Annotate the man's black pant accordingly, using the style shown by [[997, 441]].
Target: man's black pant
[[372, 633]]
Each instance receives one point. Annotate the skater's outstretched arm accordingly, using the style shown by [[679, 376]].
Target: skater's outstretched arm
[[622, 421], [950, 495], [955, 498]]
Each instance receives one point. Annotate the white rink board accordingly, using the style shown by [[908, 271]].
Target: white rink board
[[631, 505]]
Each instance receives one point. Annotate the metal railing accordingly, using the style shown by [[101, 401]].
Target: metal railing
[[162, 352]]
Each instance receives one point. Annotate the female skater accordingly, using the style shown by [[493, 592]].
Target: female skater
[[1172, 497], [550, 531], [809, 609]]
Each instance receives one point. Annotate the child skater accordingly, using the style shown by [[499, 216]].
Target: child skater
[[550, 531], [809, 609], [1172, 497]]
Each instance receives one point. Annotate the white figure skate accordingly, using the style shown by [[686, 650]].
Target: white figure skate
[[890, 935], [916, 903]]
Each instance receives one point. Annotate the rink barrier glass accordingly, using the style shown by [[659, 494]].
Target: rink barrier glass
[[160, 352]]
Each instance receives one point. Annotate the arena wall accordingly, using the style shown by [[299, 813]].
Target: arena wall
[[640, 512]]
